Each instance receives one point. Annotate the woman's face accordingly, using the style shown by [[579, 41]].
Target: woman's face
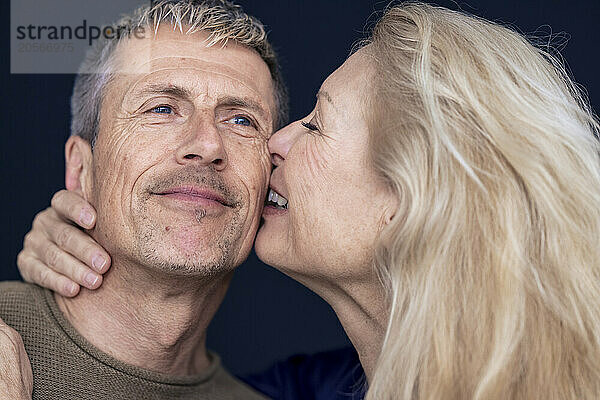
[[331, 204]]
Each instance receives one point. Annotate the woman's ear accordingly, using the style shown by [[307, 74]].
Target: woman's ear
[[388, 207], [391, 206], [78, 156]]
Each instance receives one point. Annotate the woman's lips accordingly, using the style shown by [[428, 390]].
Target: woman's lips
[[272, 210]]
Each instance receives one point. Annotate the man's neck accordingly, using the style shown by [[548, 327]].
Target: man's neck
[[149, 319]]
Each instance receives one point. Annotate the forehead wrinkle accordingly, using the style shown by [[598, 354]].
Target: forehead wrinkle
[[196, 43], [185, 48], [203, 70]]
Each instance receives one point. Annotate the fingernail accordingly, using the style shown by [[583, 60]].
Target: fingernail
[[70, 287], [86, 217], [98, 262], [91, 279]]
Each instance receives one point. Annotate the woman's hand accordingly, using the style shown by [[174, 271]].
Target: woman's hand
[[57, 254], [16, 378]]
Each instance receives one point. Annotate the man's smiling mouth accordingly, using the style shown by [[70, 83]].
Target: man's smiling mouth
[[194, 194]]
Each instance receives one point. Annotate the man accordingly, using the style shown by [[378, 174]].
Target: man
[[169, 143]]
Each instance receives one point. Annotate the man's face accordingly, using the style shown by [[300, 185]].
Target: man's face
[[180, 166]]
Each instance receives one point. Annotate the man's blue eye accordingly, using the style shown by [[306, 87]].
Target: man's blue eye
[[242, 121], [162, 110]]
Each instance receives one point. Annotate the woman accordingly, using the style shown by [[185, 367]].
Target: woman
[[460, 248]]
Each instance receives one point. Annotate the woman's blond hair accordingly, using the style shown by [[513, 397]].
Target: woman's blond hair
[[492, 261]]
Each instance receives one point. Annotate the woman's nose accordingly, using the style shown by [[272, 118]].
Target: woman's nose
[[282, 141]]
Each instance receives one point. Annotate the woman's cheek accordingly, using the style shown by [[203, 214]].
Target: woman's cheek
[[316, 159]]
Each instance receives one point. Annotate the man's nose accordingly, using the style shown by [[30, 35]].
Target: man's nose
[[282, 141], [203, 145]]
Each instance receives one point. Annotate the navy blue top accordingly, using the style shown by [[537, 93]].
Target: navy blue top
[[331, 375]]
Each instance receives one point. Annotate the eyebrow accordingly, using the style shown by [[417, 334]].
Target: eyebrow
[[326, 95], [243, 102], [171, 90]]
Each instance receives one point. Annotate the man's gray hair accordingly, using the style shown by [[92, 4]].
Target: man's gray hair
[[222, 19]]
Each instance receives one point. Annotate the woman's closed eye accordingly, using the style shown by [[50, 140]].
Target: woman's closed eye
[[310, 126], [314, 127]]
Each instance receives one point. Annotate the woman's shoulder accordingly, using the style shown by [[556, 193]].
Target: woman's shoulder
[[330, 375]]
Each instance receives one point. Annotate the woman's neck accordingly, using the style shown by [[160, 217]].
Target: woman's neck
[[362, 311]]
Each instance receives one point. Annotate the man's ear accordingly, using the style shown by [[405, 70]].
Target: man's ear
[[78, 156]]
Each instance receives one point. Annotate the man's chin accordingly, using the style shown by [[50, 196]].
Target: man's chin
[[181, 266], [187, 248]]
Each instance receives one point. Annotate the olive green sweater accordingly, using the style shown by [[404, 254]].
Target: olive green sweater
[[67, 367]]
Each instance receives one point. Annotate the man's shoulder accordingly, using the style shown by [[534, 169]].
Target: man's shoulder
[[14, 286], [17, 291], [18, 299]]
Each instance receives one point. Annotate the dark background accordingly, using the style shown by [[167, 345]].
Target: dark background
[[266, 316]]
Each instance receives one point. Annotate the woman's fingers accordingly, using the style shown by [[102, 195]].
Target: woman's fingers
[[72, 240], [58, 255], [67, 206], [71, 206], [44, 263], [16, 378], [35, 271]]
